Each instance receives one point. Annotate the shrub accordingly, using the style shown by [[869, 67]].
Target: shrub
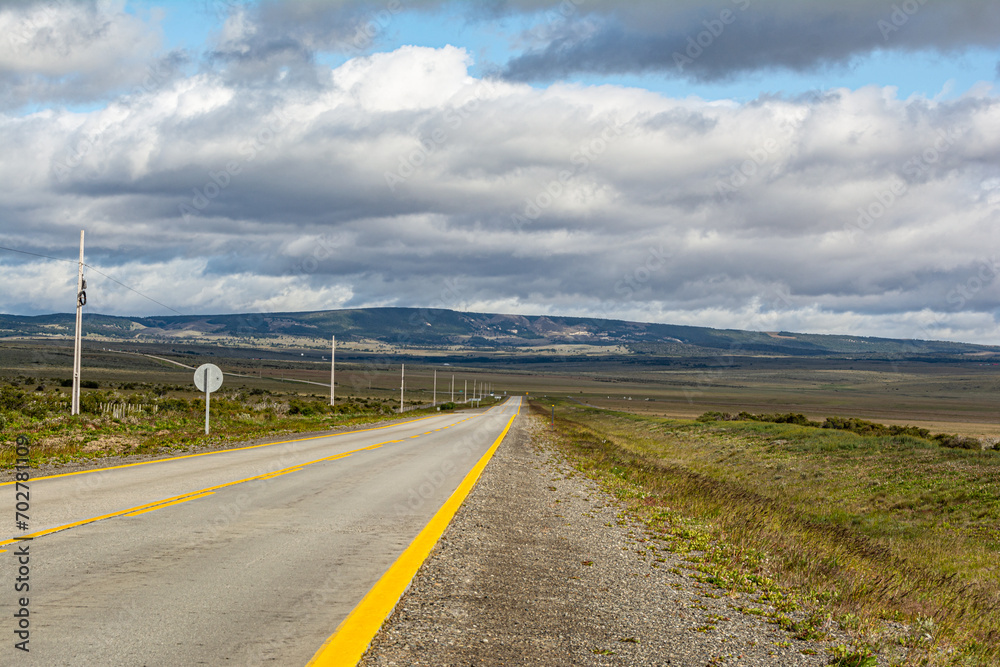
[[713, 416], [791, 418], [957, 441], [178, 404], [12, 399], [311, 408]]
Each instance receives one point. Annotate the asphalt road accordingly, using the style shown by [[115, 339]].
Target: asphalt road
[[244, 557]]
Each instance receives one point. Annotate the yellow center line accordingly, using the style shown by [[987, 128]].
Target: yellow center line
[[167, 501], [222, 451], [279, 473], [176, 502]]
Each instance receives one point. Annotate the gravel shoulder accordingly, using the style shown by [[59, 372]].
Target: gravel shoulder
[[541, 567]]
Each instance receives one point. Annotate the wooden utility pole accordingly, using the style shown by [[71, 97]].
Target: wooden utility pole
[[434, 400], [81, 299], [402, 384]]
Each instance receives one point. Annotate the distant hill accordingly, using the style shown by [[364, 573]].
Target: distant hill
[[411, 328]]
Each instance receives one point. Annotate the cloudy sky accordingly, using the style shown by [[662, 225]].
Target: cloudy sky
[[830, 166]]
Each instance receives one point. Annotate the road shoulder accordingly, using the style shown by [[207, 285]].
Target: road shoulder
[[540, 567]]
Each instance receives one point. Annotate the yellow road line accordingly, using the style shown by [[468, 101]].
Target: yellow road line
[[279, 473], [176, 502], [355, 634], [224, 451], [205, 491]]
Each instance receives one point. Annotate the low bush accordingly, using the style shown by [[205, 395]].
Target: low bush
[[854, 425]]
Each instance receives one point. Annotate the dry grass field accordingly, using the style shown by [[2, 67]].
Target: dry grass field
[[894, 537]]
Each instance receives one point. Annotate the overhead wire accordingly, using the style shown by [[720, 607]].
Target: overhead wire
[[95, 270]]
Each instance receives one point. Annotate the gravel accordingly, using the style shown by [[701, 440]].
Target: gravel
[[541, 567]]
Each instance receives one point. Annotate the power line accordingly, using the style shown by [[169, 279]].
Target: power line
[[132, 290], [95, 270], [35, 254]]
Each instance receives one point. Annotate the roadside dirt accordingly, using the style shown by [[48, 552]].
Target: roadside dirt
[[541, 567]]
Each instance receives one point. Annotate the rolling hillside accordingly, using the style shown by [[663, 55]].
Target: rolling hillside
[[416, 328]]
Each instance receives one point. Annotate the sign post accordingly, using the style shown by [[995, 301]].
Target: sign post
[[208, 378]]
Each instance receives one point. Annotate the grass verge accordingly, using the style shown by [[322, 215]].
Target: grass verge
[[148, 419], [894, 537]]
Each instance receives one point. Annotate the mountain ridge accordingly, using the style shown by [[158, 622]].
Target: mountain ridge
[[442, 328]]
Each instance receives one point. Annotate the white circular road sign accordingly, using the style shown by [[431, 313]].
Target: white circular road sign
[[208, 378]]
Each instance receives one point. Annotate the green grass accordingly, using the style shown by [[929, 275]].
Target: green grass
[[866, 529], [160, 419]]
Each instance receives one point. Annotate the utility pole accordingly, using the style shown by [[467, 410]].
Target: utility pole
[[333, 369], [402, 383], [81, 300], [452, 387], [465, 394], [434, 401]]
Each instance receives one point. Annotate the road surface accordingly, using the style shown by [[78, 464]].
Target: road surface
[[243, 557]]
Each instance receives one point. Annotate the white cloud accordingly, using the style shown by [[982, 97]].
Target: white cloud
[[846, 212], [411, 77], [73, 51]]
